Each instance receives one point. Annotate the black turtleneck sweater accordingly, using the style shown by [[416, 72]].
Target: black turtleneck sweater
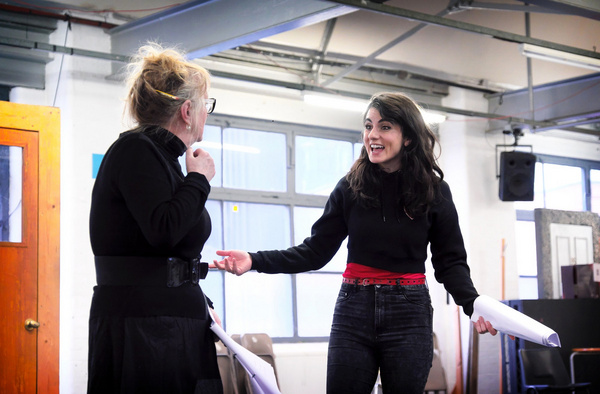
[[142, 205], [384, 237]]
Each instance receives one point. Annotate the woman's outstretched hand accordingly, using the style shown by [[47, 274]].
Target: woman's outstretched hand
[[237, 262]]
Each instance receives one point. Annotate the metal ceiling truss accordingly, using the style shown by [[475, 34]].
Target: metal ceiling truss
[[463, 26], [342, 74], [251, 21], [586, 9], [550, 111]]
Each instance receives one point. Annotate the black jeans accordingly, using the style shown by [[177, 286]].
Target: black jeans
[[380, 328]]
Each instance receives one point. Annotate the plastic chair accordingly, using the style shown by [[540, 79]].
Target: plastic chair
[[436, 381], [226, 369], [261, 345], [240, 372], [543, 370]]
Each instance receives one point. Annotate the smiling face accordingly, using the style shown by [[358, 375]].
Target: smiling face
[[383, 141]]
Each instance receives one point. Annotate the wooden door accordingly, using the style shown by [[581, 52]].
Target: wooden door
[[29, 248]]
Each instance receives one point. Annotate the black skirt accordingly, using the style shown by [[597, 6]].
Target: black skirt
[[151, 340]]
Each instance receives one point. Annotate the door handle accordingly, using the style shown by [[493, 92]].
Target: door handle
[[31, 324]]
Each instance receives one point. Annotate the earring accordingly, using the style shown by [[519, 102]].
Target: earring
[[188, 126]]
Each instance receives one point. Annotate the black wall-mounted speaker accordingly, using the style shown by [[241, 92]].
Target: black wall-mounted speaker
[[517, 174]]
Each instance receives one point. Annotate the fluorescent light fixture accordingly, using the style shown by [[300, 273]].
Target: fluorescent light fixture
[[349, 104], [432, 117], [342, 103], [553, 55]]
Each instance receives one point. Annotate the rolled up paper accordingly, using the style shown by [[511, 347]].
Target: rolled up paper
[[509, 321]]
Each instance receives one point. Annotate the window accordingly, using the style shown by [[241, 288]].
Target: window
[[313, 155], [271, 184], [11, 193], [595, 190], [562, 184]]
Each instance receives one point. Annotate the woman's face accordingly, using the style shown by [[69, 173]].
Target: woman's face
[[202, 114], [383, 141]]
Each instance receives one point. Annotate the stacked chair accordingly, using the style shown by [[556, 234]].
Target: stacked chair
[[234, 376]]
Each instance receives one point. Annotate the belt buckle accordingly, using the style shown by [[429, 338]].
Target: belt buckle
[[175, 272], [180, 271], [365, 282], [198, 270], [194, 271]]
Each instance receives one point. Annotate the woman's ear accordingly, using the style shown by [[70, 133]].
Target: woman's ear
[[407, 142], [186, 112]]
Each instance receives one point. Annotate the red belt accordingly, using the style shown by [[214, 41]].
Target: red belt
[[367, 282]]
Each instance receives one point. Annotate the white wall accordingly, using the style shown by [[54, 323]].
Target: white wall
[[91, 118]]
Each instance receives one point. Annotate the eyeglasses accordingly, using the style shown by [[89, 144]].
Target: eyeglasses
[[210, 104]]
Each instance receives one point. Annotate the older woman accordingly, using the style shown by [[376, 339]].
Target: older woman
[[149, 323]]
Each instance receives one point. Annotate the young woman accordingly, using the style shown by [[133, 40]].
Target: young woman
[[149, 323], [392, 205]]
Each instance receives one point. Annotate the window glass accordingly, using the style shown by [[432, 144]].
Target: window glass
[[525, 244], [11, 193], [357, 148], [215, 241], [213, 284], [304, 217], [254, 160], [257, 302], [320, 164], [595, 186], [528, 288], [563, 187], [526, 259], [253, 227], [316, 295]]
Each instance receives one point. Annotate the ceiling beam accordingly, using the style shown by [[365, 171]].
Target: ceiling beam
[[585, 8], [553, 105], [205, 27], [379, 51], [467, 27]]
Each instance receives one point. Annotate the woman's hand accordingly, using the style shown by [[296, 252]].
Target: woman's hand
[[216, 317], [201, 162], [217, 320], [482, 326], [237, 262]]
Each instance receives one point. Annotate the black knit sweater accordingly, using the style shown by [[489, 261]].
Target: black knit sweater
[[142, 205], [385, 238]]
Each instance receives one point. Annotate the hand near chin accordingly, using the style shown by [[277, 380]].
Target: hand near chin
[[200, 161]]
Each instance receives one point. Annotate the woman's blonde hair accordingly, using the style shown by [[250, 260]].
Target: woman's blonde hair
[[155, 70]]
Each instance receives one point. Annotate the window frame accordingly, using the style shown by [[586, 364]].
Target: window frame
[[289, 198]]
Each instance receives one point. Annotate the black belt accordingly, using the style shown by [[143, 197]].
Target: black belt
[[148, 271]]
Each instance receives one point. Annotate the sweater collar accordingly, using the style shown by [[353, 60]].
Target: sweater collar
[[169, 141]]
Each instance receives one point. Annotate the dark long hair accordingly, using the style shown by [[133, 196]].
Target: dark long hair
[[419, 172]]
